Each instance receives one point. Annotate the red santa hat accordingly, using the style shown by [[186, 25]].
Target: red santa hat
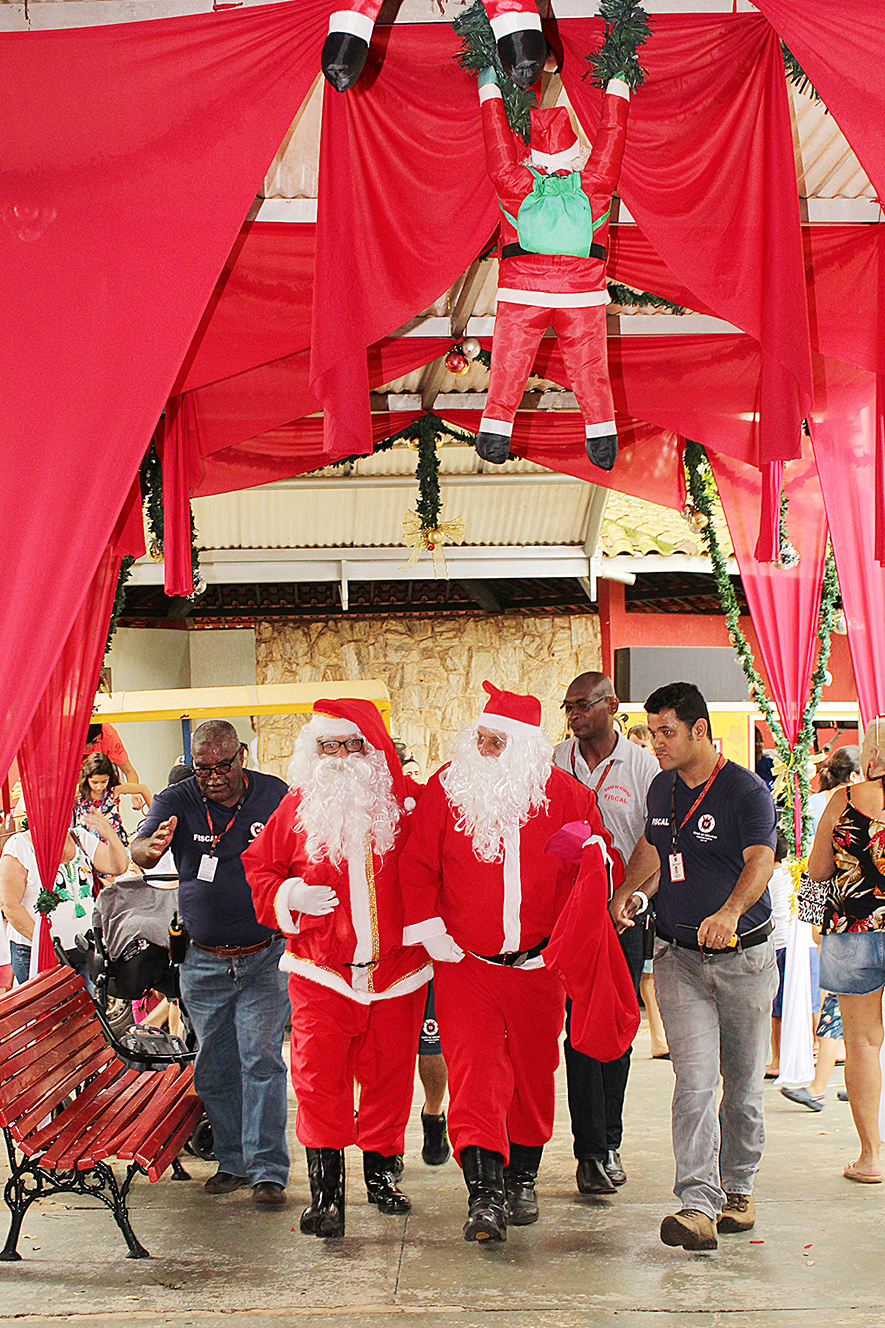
[[339, 719], [554, 142], [508, 712]]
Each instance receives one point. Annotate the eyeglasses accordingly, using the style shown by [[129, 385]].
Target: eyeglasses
[[331, 748], [582, 704], [220, 767]]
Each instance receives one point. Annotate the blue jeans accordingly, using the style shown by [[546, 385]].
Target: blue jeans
[[717, 1014], [239, 1007], [20, 958], [852, 962]]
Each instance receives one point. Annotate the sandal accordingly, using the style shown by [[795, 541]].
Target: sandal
[[851, 1173]]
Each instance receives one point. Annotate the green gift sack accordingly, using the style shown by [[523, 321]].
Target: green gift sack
[[556, 218]]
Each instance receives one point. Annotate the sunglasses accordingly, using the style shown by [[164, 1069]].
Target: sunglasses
[[582, 704]]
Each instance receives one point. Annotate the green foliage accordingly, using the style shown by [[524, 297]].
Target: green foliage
[[702, 488], [479, 52], [119, 598], [797, 75], [47, 901], [634, 299], [626, 29]]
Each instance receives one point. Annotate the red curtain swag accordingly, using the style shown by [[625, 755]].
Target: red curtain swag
[[52, 747], [109, 252], [845, 449]]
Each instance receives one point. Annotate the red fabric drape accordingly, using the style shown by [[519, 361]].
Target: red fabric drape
[[783, 602], [404, 206], [840, 48], [260, 308], [709, 175], [112, 236], [52, 748], [844, 436]]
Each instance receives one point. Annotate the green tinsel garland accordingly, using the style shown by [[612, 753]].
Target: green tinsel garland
[[634, 299], [151, 477], [702, 488], [797, 75], [479, 52], [119, 598], [626, 29]]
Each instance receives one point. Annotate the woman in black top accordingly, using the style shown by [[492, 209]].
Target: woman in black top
[[847, 864]]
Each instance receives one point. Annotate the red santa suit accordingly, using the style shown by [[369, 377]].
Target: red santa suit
[[537, 290], [499, 1022], [357, 993]]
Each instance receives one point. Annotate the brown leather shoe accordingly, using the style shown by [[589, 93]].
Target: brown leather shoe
[[267, 1194], [224, 1182], [690, 1229], [738, 1213]]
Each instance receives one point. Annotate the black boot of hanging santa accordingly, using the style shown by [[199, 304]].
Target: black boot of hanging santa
[[347, 45]]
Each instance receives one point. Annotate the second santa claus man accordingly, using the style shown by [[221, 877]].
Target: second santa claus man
[[324, 871], [481, 892]]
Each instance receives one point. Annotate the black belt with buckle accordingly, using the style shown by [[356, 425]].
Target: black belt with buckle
[[515, 250], [515, 958], [744, 941]]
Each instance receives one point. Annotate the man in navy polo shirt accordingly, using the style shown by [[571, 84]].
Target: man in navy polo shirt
[[710, 832], [231, 983]]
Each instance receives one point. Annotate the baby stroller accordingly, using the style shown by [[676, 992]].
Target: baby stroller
[[127, 952]]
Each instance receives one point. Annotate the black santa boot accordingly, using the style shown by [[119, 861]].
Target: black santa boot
[[381, 1186], [523, 55], [484, 1174], [520, 1175], [342, 59], [325, 1216]]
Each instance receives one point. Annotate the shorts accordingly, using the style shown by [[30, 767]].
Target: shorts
[[428, 1039], [830, 1023], [852, 963], [777, 1005]]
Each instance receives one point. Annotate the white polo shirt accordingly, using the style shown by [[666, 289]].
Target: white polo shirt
[[620, 783]]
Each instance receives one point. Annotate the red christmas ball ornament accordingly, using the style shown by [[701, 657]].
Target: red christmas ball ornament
[[456, 363]]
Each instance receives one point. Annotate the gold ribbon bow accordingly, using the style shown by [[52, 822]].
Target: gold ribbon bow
[[431, 538]]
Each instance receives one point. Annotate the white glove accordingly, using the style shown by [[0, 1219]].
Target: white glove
[[443, 948], [313, 899]]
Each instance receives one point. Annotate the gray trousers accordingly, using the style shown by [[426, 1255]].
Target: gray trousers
[[717, 1013]]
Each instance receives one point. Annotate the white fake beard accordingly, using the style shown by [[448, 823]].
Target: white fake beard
[[493, 793], [346, 804]]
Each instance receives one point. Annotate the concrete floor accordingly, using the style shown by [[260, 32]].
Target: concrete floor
[[814, 1258]]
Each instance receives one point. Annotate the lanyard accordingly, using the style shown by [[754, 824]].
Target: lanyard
[[601, 780], [222, 833], [697, 802]]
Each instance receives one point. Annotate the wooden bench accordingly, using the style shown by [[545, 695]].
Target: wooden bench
[[69, 1102]]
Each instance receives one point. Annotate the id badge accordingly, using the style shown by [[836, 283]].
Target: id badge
[[208, 868], [677, 870]]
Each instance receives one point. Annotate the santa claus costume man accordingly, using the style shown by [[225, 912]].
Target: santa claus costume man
[[324, 871], [552, 252], [481, 893]]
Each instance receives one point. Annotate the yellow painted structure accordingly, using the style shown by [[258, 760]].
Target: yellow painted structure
[[199, 703]]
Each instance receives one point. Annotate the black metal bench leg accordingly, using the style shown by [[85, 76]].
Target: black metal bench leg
[[121, 1212], [9, 1253], [178, 1171]]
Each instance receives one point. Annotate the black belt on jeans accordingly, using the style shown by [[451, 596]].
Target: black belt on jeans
[[516, 250], [749, 938], [234, 951], [515, 958]]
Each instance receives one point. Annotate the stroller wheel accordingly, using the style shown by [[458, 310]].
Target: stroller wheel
[[200, 1142], [119, 1015]]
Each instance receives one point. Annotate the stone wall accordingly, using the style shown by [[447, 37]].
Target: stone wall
[[433, 668]]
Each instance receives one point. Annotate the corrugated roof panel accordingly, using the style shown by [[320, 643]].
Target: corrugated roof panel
[[351, 515]]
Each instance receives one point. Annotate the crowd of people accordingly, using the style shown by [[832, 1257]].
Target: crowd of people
[[394, 924]]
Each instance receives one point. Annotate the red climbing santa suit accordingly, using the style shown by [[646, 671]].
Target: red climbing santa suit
[[357, 993], [499, 1023], [559, 290]]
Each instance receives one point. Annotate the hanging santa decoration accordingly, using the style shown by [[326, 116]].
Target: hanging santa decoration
[[516, 26], [555, 203]]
